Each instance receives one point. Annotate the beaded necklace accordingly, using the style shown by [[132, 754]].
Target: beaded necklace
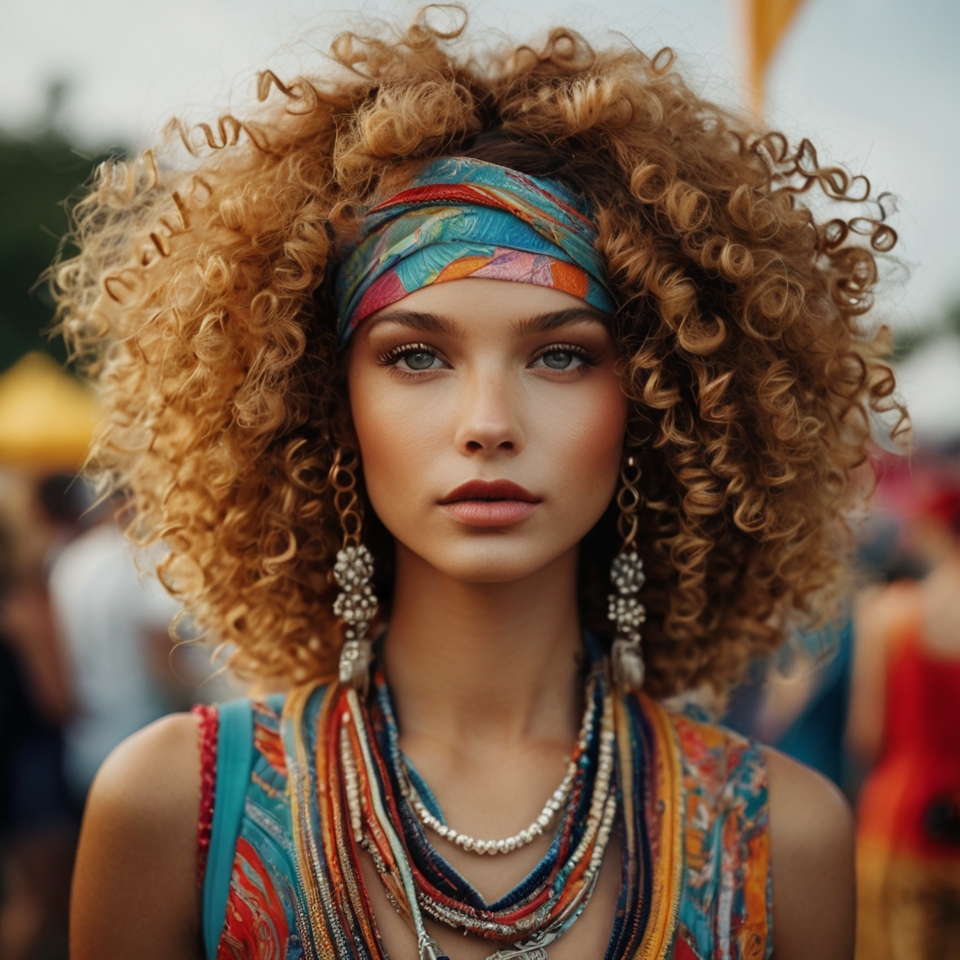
[[428, 811], [351, 789]]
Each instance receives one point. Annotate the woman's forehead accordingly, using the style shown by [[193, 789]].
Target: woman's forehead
[[458, 305]]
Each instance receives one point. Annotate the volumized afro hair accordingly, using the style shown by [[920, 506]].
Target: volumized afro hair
[[200, 302]]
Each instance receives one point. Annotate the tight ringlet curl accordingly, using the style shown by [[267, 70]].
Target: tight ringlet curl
[[200, 301]]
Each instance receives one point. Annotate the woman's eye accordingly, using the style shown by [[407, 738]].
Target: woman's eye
[[412, 358], [561, 359], [418, 360]]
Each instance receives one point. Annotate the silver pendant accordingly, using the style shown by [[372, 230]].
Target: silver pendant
[[520, 953], [356, 605], [628, 613], [533, 948], [429, 949]]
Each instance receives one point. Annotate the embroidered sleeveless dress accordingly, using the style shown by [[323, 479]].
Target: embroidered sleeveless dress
[[707, 884]]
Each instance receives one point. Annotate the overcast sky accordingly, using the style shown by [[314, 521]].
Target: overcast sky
[[876, 82]]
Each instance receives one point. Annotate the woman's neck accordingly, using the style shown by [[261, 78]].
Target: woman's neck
[[475, 661]]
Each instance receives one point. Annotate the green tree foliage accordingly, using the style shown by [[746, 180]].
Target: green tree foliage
[[38, 172]]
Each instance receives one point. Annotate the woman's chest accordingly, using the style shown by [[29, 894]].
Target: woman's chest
[[299, 888]]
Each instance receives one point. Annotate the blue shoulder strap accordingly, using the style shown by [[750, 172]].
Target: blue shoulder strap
[[234, 759]]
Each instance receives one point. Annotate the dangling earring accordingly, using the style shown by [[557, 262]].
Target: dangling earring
[[356, 604], [626, 574]]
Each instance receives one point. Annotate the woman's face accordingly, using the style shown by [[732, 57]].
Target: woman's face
[[491, 421]]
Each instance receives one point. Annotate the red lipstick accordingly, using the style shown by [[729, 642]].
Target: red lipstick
[[490, 503]]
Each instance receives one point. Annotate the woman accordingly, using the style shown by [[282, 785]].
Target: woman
[[521, 326], [905, 719]]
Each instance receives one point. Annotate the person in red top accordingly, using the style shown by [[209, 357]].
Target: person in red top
[[906, 711]]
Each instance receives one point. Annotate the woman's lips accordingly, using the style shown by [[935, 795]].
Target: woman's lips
[[490, 503]]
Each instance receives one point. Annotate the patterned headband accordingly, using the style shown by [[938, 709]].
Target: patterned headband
[[466, 218]]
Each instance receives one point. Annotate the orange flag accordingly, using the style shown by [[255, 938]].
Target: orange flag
[[767, 22]]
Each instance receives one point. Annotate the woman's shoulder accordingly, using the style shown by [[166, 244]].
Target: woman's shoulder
[[152, 778], [138, 848], [805, 806], [153, 787], [812, 846], [166, 771]]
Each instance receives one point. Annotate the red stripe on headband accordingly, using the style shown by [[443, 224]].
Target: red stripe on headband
[[471, 195]]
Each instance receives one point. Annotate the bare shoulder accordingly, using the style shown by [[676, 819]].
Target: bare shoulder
[[153, 771], [135, 888], [812, 841]]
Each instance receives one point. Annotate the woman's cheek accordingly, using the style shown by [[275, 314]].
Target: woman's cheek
[[589, 439], [396, 434]]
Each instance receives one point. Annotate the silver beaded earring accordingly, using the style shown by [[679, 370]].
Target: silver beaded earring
[[356, 605], [627, 577]]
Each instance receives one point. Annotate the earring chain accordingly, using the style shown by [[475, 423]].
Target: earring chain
[[628, 500], [343, 479]]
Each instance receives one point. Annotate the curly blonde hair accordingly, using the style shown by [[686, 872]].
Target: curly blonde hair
[[200, 299]]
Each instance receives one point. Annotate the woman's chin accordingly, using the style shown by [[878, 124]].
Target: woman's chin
[[490, 559]]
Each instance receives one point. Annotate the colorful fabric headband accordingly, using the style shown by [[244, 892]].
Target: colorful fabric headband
[[466, 218]]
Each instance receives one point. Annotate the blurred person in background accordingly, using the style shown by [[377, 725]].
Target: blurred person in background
[[85, 660], [41, 515], [115, 627], [798, 703], [38, 823], [905, 720]]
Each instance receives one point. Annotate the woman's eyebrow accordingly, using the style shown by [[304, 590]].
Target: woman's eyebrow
[[538, 323], [543, 322], [426, 322]]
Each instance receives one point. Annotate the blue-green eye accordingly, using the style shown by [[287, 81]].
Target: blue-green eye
[[418, 360], [561, 359], [412, 358]]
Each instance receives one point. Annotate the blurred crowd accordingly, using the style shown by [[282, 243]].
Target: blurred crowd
[[86, 659], [874, 704]]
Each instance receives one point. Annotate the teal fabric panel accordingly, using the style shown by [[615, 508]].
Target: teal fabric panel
[[234, 759]]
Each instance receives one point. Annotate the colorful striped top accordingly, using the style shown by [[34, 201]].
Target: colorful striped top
[[705, 805]]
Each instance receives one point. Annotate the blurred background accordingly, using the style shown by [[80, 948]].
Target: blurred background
[[85, 655]]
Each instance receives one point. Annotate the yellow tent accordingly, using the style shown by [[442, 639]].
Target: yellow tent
[[46, 416]]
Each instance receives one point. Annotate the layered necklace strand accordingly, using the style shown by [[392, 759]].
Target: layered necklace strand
[[516, 842], [386, 817], [553, 806]]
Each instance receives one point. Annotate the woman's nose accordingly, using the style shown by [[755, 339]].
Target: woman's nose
[[488, 418]]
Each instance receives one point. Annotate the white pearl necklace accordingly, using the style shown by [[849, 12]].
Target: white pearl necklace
[[524, 837], [518, 840]]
